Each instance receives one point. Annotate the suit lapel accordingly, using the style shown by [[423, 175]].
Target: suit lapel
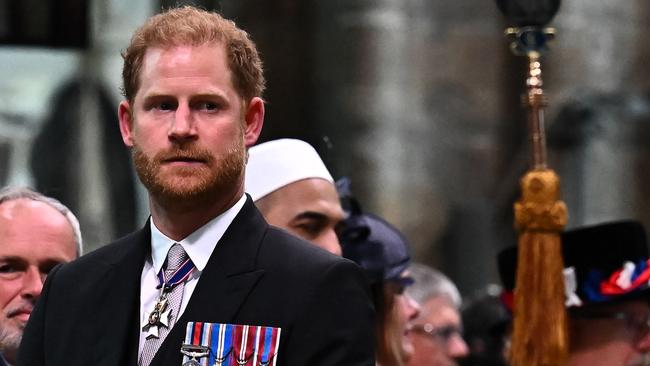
[[231, 272], [226, 281], [119, 334]]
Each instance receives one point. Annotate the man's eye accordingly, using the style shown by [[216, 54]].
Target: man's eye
[[165, 106], [208, 106], [310, 228], [7, 268], [9, 271], [158, 105]]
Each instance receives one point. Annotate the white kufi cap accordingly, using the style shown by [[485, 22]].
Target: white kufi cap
[[275, 164]]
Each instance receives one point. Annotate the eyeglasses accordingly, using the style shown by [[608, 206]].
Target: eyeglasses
[[639, 324], [443, 334]]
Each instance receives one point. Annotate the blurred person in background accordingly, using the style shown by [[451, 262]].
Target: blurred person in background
[[293, 190], [382, 251], [607, 273], [36, 234], [437, 332], [486, 323]]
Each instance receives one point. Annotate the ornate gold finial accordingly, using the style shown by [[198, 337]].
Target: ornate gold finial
[[539, 208]]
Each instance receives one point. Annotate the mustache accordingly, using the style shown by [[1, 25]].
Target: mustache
[[185, 153], [24, 307]]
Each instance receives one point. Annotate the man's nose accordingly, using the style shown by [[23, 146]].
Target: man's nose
[[32, 283], [183, 126], [329, 241], [456, 346], [413, 307]]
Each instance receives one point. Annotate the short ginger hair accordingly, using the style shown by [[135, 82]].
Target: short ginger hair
[[188, 25]]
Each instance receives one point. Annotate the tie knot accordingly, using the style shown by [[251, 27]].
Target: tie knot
[[175, 257]]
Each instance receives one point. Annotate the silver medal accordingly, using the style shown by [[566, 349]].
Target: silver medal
[[194, 352]]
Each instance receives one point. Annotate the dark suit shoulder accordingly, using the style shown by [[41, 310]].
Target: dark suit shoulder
[[297, 267], [326, 297], [290, 252], [92, 264]]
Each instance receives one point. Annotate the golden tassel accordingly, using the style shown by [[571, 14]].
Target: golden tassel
[[540, 335], [540, 327]]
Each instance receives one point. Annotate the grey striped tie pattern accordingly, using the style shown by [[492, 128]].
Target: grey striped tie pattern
[[175, 257]]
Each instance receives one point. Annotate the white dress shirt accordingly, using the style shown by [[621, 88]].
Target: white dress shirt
[[198, 246]]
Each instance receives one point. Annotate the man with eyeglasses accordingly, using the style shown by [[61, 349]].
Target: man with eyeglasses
[[607, 289], [436, 333]]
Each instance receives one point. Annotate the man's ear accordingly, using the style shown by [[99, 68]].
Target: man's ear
[[253, 121], [125, 115]]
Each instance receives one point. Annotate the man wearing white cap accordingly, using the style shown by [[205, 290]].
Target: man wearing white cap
[[293, 189]]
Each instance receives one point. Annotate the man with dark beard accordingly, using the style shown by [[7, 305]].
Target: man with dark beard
[[207, 280]]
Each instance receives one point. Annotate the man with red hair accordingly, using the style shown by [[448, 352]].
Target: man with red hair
[[206, 280]]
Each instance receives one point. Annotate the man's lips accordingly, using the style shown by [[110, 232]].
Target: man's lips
[[21, 314], [183, 160], [190, 157], [23, 317]]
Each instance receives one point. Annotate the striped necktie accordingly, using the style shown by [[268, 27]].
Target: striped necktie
[[176, 262]]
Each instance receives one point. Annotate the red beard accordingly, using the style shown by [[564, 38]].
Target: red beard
[[190, 186]]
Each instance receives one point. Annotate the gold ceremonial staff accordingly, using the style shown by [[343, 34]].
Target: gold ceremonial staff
[[540, 322]]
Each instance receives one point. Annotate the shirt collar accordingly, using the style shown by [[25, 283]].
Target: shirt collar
[[199, 244]]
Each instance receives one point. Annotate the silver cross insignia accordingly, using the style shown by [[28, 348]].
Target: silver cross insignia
[[160, 316]]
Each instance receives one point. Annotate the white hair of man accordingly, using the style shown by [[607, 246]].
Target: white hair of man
[[14, 193], [430, 283]]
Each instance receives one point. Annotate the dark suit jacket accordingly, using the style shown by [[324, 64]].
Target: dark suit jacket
[[88, 313]]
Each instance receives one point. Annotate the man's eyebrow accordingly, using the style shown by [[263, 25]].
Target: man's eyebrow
[[157, 96], [153, 97], [11, 258], [311, 215], [214, 95], [13, 261]]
